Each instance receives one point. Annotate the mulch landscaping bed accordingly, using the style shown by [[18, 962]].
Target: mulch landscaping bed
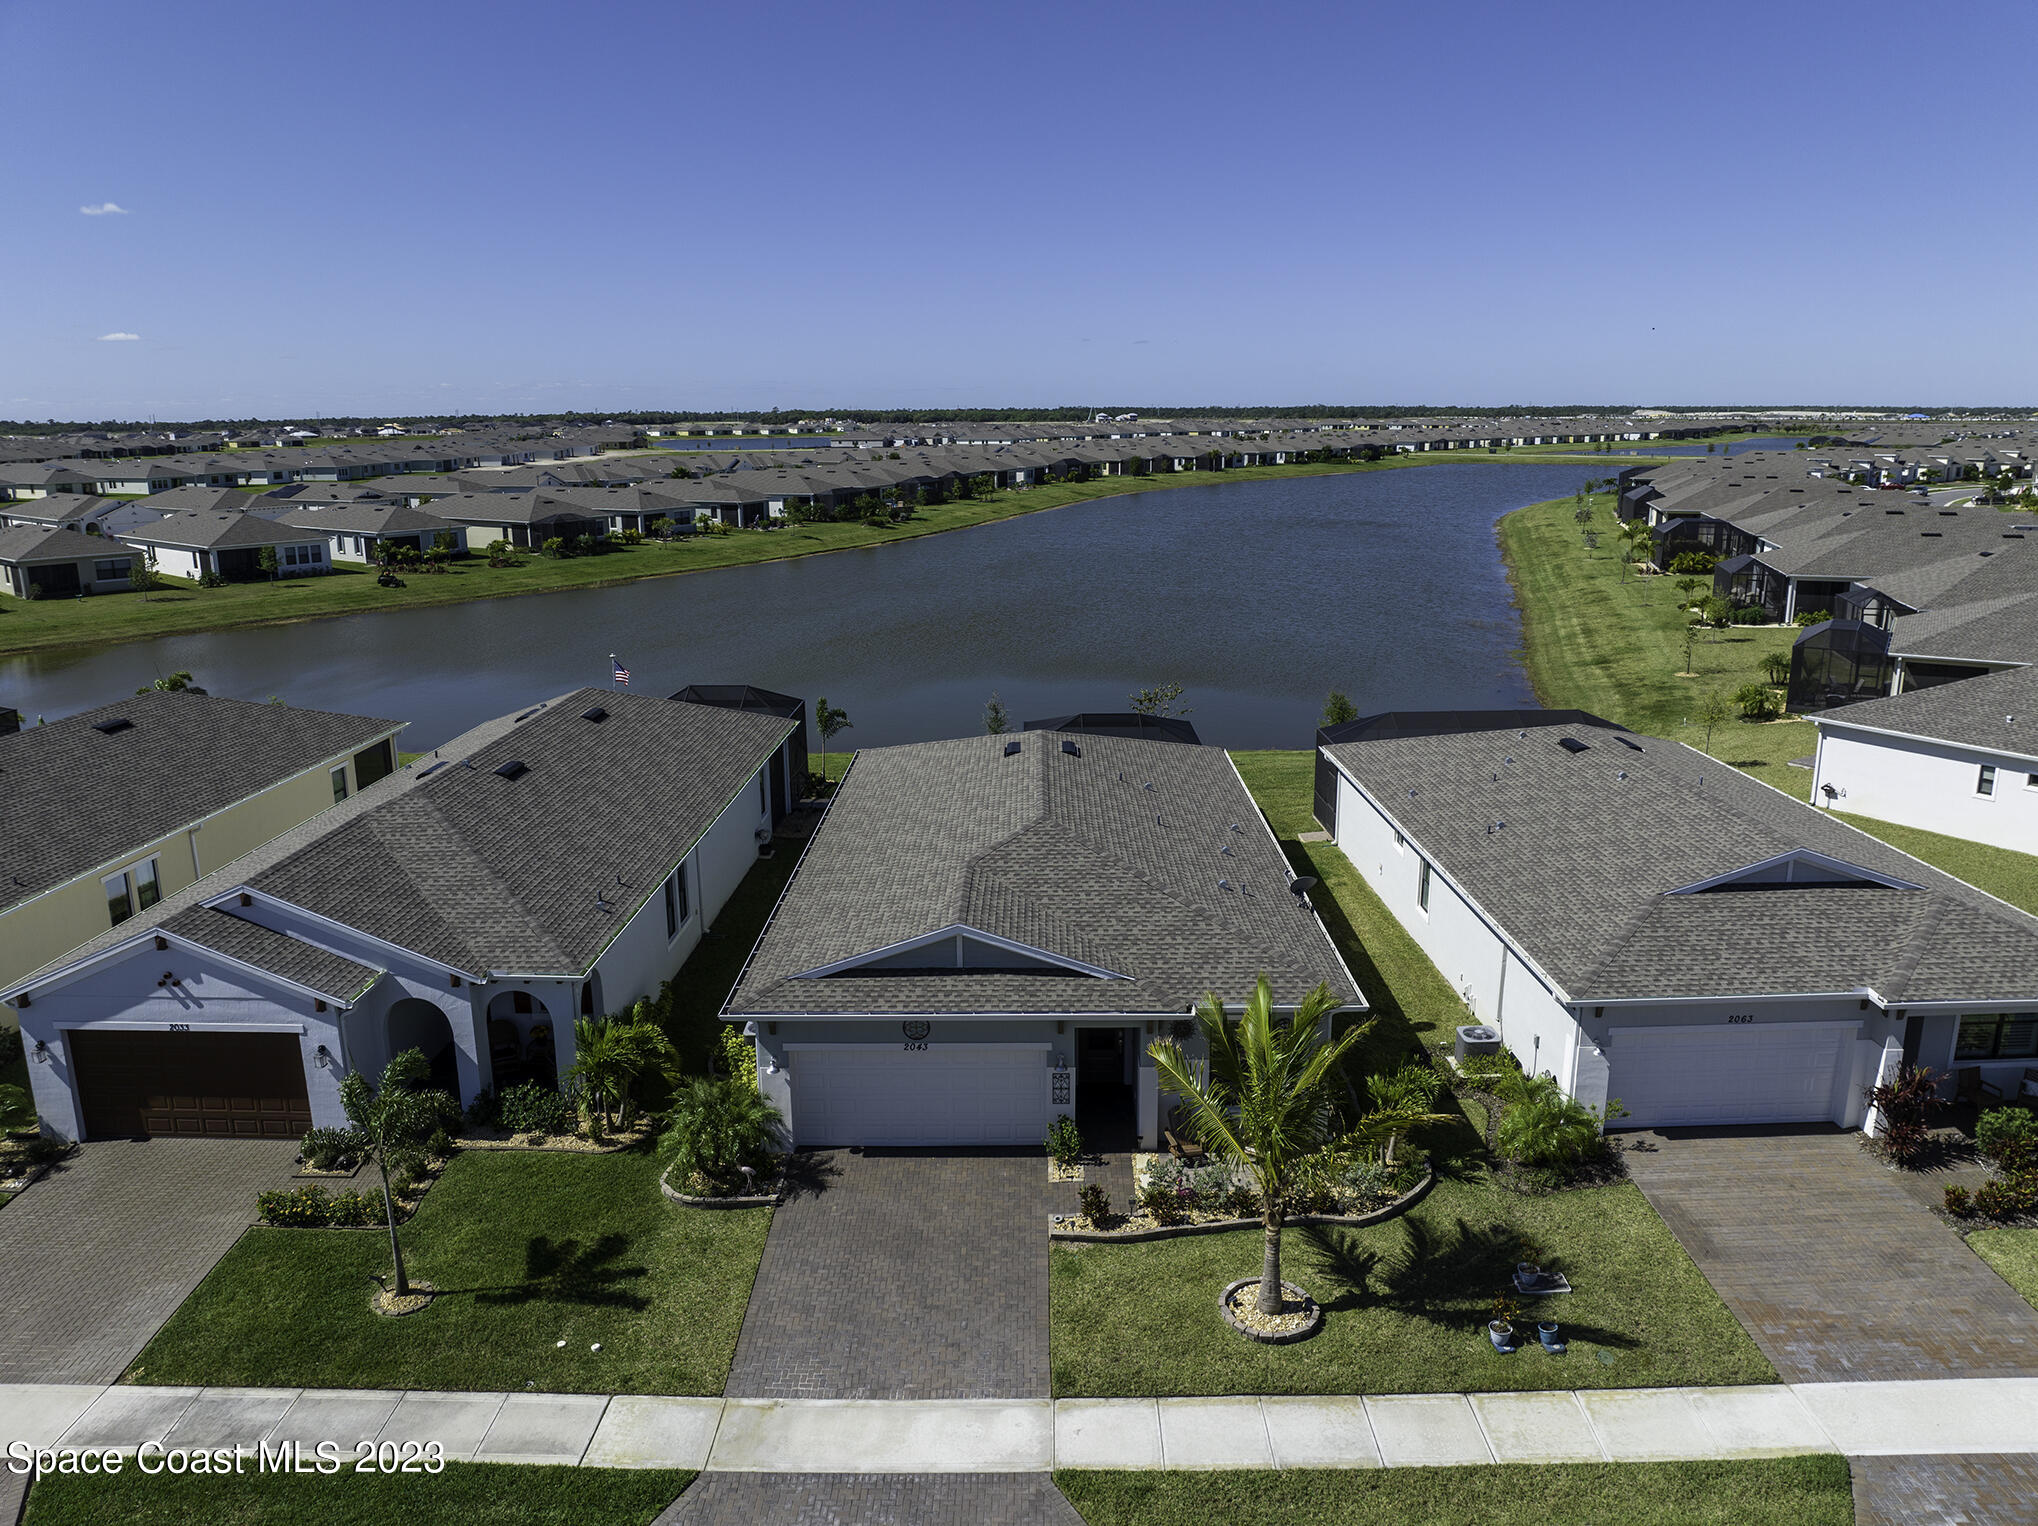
[[1126, 1229]]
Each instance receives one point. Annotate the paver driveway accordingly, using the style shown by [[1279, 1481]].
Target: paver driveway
[[102, 1250], [904, 1274], [1836, 1271]]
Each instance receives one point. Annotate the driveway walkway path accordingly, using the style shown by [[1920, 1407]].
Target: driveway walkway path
[[904, 1274], [102, 1250], [1835, 1270]]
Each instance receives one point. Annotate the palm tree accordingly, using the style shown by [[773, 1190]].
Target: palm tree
[[718, 1127], [1263, 1099], [394, 1120], [609, 1054]]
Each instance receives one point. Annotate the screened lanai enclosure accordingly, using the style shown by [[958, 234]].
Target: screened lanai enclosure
[[1837, 663]]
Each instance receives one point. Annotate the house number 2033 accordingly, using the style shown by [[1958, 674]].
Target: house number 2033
[[1740, 1017]]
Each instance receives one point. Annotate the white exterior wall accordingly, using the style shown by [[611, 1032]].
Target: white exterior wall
[[1919, 783], [1469, 953], [211, 994]]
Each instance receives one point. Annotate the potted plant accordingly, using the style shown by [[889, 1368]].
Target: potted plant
[[1546, 1332], [1500, 1328]]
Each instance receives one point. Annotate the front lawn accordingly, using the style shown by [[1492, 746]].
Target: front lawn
[[2014, 1254], [501, 1494], [527, 1249], [1405, 1304], [1780, 1491]]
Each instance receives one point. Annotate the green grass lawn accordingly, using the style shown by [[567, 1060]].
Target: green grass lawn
[[2014, 1254], [1406, 1300], [33, 625], [1781, 1491], [1405, 1304], [527, 1249], [2001, 872], [466, 1494], [709, 975]]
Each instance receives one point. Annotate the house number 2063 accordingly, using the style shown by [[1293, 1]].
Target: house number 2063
[[1740, 1017]]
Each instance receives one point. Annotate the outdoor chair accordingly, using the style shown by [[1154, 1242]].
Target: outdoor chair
[[1182, 1149], [1968, 1086]]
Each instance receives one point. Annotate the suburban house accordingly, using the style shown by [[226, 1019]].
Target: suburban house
[[1958, 758], [986, 933], [40, 563], [522, 519], [84, 512], [546, 866], [362, 532], [194, 542], [106, 813], [1648, 925]]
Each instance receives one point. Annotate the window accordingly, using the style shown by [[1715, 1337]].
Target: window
[[148, 885], [1997, 1036], [109, 571], [763, 803], [1400, 843], [119, 902], [671, 911], [678, 884], [1422, 886], [1985, 781], [339, 784], [2031, 781]]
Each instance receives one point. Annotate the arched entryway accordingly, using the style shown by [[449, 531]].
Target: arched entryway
[[522, 1041], [415, 1023]]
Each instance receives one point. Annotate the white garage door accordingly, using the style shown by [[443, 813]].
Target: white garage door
[[1740, 1073], [948, 1094]]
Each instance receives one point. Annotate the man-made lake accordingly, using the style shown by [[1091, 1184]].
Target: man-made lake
[[1256, 597]]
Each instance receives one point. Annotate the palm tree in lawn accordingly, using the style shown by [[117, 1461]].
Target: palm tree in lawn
[[394, 1119], [1263, 1099]]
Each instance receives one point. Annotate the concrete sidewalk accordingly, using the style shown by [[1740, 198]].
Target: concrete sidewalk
[[1884, 1419]]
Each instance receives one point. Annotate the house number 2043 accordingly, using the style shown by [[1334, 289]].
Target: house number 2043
[[914, 1044], [1740, 1017]]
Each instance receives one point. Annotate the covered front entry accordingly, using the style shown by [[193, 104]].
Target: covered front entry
[[202, 1085], [945, 1094], [1729, 1074]]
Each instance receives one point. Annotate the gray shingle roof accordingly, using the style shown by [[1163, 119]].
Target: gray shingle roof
[[36, 543], [209, 529], [1580, 875], [1997, 712], [331, 975], [1053, 851], [484, 873], [73, 798]]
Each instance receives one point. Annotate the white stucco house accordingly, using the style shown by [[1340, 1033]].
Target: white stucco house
[[987, 933], [1646, 924], [1958, 758], [558, 863]]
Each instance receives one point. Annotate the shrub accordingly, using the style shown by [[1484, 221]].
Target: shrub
[[739, 1056], [295, 1208], [1094, 1203], [440, 1144], [1241, 1201], [1548, 1130], [1752, 614], [718, 1127], [556, 547], [1901, 1106], [2007, 1197], [44, 1148], [331, 1149], [529, 1108], [2009, 1137], [1757, 702], [1064, 1142], [1161, 1203], [10, 1046], [627, 537], [1715, 611], [355, 1210], [485, 1111], [1695, 562], [1806, 617], [1958, 1203], [209, 579]]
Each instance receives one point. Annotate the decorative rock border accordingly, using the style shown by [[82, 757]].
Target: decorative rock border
[[558, 1144], [1311, 1310], [1399, 1206], [685, 1200]]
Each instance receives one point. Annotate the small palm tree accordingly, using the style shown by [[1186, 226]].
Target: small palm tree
[[718, 1127], [1263, 1100], [395, 1118], [609, 1054]]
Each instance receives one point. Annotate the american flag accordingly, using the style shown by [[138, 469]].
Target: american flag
[[622, 673]]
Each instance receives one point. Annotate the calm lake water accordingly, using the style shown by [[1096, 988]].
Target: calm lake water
[[1256, 597]]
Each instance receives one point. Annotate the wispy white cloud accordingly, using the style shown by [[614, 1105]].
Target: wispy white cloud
[[117, 334], [105, 209]]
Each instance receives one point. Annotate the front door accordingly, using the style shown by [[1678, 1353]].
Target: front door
[[1106, 1062]]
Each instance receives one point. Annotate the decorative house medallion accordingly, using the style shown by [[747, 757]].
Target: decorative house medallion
[[916, 1030]]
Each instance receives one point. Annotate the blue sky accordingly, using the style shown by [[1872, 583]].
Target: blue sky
[[389, 208]]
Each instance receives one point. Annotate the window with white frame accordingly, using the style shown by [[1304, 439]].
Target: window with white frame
[[1985, 780], [1400, 843], [339, 784], [1422, 886]]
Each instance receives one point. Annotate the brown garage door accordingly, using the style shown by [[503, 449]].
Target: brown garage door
[[212, 1085]]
